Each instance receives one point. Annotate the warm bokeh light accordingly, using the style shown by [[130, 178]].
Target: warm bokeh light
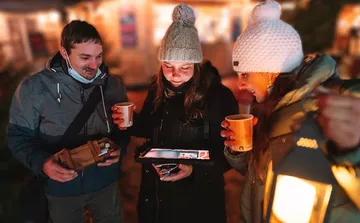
[[42, 18], [54, 17], [294, 200], [348, 180], [349, 17]]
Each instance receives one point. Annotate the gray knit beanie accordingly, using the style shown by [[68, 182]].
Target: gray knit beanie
[[181, 42]]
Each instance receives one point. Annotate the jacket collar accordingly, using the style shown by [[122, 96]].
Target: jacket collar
[[315, 70]]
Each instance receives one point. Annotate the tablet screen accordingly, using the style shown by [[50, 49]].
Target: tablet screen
[[178, 154]]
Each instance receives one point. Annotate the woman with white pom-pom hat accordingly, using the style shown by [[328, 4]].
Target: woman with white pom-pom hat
[[184, 109], [269, 60]]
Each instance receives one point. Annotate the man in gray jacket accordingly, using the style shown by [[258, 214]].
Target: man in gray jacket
[[44, 106]]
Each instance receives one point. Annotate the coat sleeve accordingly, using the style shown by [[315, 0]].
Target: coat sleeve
[[222, 105], [238, 161], [351, 157], [23, 128]]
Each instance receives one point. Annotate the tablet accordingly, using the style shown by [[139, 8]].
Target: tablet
[[167, 155]]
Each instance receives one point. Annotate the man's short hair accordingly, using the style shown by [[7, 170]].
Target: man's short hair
[[78, 32]]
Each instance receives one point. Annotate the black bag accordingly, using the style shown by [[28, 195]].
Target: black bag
[[32, 205]]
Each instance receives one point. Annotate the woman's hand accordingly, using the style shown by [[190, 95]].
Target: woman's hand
[[227, 133], [185, 171], [340, 119]]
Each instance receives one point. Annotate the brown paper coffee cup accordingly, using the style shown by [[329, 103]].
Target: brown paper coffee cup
[[242, 126]]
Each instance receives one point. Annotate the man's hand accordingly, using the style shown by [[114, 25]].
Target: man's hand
[[118, 117], [113, 158], [57, 172], [340, 119]]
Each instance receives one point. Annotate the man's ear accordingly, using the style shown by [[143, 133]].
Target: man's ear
[[63, 53]]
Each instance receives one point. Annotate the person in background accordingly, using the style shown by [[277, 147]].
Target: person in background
[[44, 106], [184, 109], [269, 60]]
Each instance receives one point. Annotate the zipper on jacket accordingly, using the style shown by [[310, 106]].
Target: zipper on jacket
[[81, 182], [85, 133]]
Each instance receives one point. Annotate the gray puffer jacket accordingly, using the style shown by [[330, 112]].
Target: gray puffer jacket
[[42, 109], [315, 70]]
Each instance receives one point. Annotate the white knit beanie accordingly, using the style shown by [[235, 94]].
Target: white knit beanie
[[268, 44], [181, 42]]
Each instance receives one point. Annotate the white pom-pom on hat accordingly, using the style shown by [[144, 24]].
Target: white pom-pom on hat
[[269, 10], [184, 13]]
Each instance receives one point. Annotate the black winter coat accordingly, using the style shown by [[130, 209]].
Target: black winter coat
[[199, 197]]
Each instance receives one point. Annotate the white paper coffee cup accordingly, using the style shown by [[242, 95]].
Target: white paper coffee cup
[[126, 108]]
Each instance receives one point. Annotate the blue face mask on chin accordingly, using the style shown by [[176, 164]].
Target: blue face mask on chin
[[77, 76]]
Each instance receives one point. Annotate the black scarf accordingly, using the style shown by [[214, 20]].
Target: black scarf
[[171, 91]]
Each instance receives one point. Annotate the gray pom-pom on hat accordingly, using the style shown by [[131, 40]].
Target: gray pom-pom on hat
[[181, 42], [184, 13]]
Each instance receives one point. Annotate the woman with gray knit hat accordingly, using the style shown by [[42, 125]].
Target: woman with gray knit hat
[[269, 60], [184, 109]]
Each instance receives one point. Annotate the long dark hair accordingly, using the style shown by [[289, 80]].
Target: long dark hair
[[283, 84], [194, 96]]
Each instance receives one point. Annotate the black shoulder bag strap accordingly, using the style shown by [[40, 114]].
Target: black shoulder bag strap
[[84, 114]]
